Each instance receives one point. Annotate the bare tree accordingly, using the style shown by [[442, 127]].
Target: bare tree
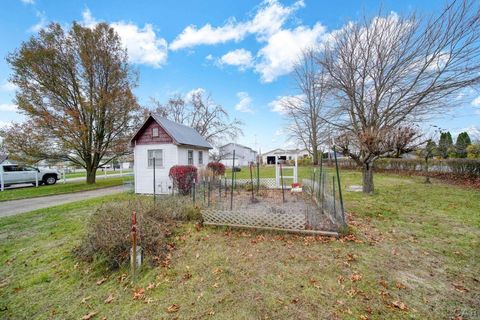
[[390, 71], [200, 112], [304, 110], [75, 89]]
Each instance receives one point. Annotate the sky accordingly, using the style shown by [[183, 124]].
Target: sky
[[240, 52]]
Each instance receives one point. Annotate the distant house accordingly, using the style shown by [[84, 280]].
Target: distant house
[[243, 155], [166, 143], [283, 154]]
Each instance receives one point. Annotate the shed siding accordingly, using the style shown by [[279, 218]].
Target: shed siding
[[145, 136], [144, 174]]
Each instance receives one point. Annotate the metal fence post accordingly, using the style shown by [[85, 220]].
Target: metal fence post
[[333, 189], [64, 176], [36, 179], [2, 185], [193, 192], [258, 177], [233, 175], [339, 185], [209, 191], [204, 190]]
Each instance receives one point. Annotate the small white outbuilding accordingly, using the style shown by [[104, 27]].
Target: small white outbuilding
[[166, 143]]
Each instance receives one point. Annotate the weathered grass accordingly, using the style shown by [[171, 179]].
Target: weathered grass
[[423, 237]]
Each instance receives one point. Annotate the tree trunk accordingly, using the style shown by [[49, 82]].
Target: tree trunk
[[367, 174], [91, 175], [315, 156]]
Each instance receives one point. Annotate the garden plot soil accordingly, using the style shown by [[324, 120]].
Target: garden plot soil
[[270, 203]]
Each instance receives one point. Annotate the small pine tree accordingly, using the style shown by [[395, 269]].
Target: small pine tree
[[463, 141], [445, 144]]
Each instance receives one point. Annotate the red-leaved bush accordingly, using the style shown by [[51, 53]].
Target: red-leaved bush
[[183, 177], [217, 168]]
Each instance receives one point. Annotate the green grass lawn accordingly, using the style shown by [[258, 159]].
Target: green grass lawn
[[59, 188], [99, 173], [414, 254]]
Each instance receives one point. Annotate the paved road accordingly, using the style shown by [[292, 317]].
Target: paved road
[[10, 208]]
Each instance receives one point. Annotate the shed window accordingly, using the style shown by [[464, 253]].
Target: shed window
[[158, 155], [200, 157], [190, 157], [155, 132]]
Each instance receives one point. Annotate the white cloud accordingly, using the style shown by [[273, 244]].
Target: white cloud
[[41, 24], [240, 57], [88, 19], [28, 1], [209, 57], [8, 86], [244, 105], [283, 49], [476, 102], [143, 45], [9, 107], [190, 94], [279, 105], [269, 18]]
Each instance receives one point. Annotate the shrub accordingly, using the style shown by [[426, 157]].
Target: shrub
[[183, 177], [108, 229], [217, 168]]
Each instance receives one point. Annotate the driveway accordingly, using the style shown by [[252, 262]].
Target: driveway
[[10, 208]]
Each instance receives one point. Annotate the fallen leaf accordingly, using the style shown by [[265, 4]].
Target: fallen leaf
[[89, 316], [356, 277], [138, 293], [400, 305], [459, 287], [173, 308], [109, 299], [84, 300], [217, 271], [99, 282], [400, 285]]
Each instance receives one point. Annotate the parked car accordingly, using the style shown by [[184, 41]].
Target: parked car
[[17, 174], [237, 169]]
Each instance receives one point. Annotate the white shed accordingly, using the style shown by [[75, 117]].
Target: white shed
[[169, 143], [243, 155]]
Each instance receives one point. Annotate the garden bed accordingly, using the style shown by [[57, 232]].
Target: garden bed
[[269, 209]]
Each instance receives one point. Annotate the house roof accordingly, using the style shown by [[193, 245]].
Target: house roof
[[181, 134], [285, 151], [238, 145]]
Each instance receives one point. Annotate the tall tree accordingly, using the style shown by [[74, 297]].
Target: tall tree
[[445, 144], [74, 87], [391, 70], [199, 111], [463, 141], [304, 110]]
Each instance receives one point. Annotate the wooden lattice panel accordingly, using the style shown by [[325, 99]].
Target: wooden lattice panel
[[274, 219]]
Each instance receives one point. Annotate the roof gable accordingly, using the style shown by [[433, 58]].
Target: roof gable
[[181, 134]]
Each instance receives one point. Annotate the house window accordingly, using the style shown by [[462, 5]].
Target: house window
[[158, 155], [154, 132], [200, 157], [190, 157]]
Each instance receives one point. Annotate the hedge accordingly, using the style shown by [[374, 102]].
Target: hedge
[[463, 167]]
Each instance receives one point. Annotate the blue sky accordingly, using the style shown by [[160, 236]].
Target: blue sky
[[239, 51]]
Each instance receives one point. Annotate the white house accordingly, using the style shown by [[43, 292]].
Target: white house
[[243, 155], [269, 157], [166, 143]]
